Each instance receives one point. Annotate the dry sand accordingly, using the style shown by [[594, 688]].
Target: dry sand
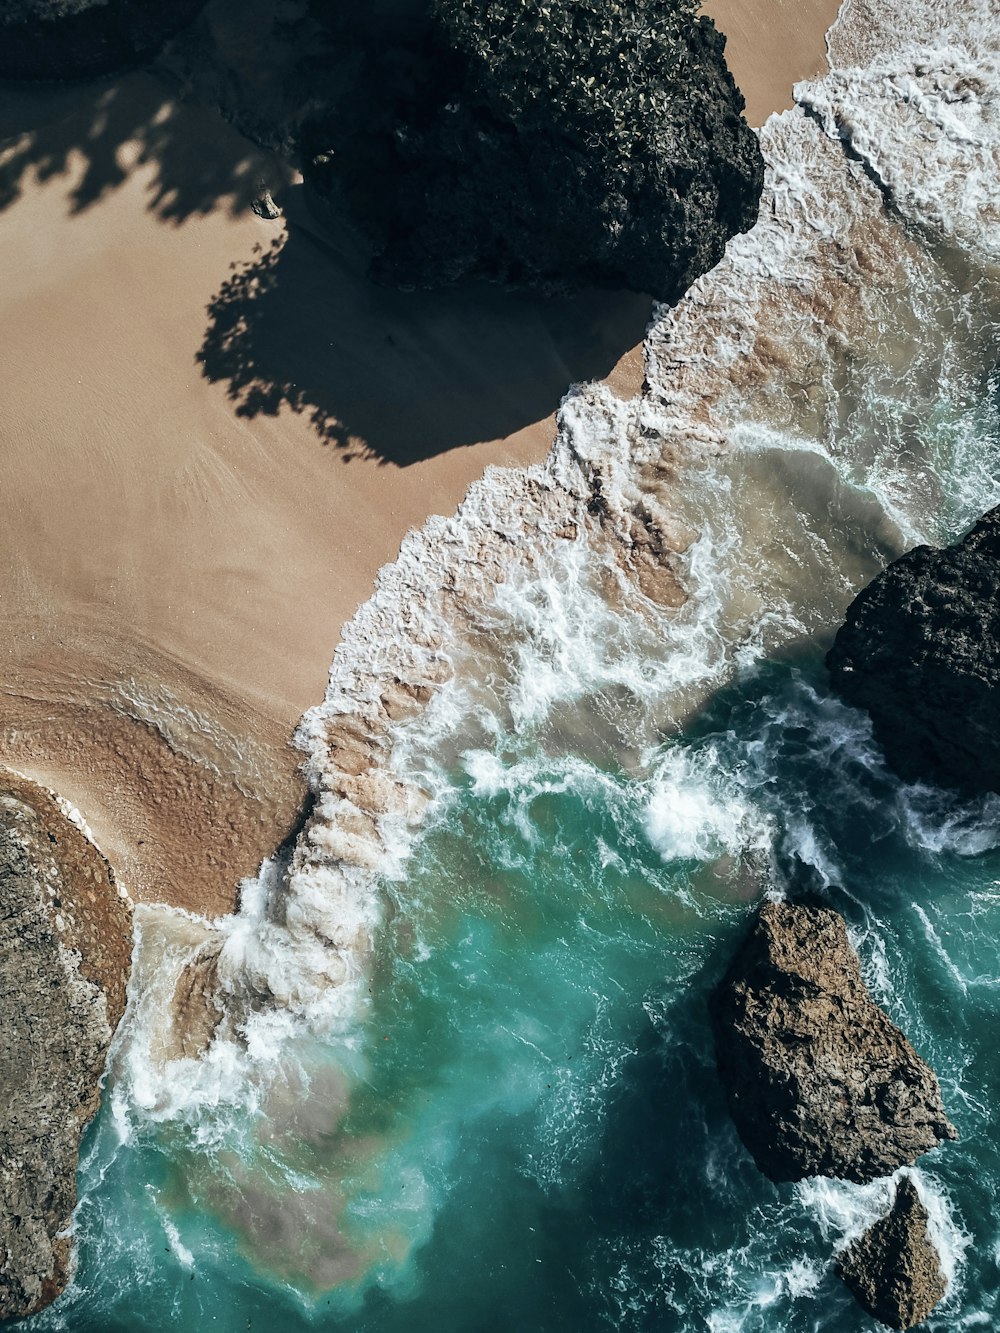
[[195, 500]]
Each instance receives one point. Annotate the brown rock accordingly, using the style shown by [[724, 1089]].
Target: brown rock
[[893, 1270], [195, 1012], [65, 956], [819, 1080], [265, 207]]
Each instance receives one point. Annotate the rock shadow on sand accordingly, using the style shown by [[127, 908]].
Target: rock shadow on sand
[[392, 375]]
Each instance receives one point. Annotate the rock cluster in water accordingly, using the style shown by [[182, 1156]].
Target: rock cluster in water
[[569, 143], [920, 651], [65, 957], [819, 1081], [893, 1270]]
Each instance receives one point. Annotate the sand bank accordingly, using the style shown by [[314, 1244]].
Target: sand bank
[[214, 434]]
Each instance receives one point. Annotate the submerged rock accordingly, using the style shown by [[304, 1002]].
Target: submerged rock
[[819, 1081], [920, 651], [65, 956], [894, 1270]]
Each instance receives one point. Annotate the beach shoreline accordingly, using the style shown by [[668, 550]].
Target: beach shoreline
[[772, 45], [191, 522]]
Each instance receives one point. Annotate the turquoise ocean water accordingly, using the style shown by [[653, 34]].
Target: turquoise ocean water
[[522, 1129]]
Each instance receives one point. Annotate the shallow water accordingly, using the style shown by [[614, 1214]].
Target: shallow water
[[516, 1121]]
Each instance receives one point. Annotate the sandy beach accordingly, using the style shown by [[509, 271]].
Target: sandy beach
[[216, 432], [771, 45]]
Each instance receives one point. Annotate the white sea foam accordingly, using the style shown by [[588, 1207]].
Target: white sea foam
[[800, 1278], [693, 813], [184, 1255], [927, 129], [936, 822]]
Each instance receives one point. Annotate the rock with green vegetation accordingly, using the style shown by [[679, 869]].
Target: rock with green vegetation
[[551, 143]]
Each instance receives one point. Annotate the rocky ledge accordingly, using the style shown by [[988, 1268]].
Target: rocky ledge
[[920, 651], [894, 1270], [819, 1081], [65, 957]]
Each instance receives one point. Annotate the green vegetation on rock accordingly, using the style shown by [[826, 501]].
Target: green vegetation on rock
[[539, 142]]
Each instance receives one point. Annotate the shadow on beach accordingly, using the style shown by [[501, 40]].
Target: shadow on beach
[[399, 376], [110, 129], [378, 373]]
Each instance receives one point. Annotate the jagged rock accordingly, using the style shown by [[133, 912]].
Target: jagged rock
[[819, 1081], [894, 1270], [195, 1009], [920, 650], [558, 144], [65, 956], [265, 207]]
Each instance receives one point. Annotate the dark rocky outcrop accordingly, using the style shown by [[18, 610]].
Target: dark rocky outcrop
[[265, 207], [894, 1270], [819, 1081], [65, 956], [575, 142], [920, 651], [63, 39]]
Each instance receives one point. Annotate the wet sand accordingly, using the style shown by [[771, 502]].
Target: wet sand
[[772, 45], [214, 434]]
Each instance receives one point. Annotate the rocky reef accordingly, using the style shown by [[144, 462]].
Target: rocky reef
[[894, 1270], [57, 39], [65, 957], [559, 144], [920, 651], [819, 1081]]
